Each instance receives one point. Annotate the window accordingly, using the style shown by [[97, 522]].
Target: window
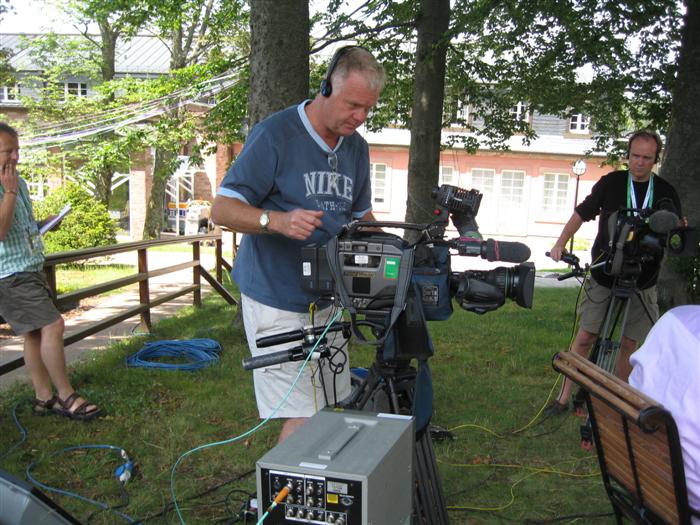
[[520, 112], [9, 93], [447, 176], [457, 113], [482, 180], [556, 191], [77, 89], [380, 193], [512, 187], [37, 190], [579, 123]]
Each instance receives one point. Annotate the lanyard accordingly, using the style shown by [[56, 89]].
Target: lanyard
[[632, 197]]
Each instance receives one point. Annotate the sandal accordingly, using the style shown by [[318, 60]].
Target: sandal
[[41, 407], [81, 413]]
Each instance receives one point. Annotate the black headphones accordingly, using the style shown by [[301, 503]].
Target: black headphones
[[326, 87], [646, 133]]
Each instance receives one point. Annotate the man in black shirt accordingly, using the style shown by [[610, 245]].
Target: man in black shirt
[[636, 187]]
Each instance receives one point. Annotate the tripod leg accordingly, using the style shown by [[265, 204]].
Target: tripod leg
[[429, 503]]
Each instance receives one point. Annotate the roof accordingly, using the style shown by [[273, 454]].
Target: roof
[[545, 143], [140, 54]]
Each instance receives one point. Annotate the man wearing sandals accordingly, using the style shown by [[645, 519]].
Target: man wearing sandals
[[25, 297]]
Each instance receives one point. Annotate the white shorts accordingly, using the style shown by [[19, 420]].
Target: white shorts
[[272, 383]]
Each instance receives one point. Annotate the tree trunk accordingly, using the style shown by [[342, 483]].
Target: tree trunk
[[162, 170], [681, 165], [108, 50], [279, 57], [426, 122], [163, 164]]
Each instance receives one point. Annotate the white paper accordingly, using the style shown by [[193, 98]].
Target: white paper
[[53, 222]]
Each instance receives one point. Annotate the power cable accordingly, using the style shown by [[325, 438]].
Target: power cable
[[200, 353], [22, 431], [122, 473]]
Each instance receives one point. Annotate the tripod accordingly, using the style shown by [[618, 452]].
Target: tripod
[[390, 385], [607, 347]]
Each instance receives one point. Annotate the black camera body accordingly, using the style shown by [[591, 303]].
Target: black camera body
[[369, 266], [637, 236]]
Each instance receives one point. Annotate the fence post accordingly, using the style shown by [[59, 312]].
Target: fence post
[[50, 271], [218, 255], [197, 275], [144, 293]]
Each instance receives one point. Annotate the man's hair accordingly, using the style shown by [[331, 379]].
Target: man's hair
[[6, 128], [647, 134], [357, 58]]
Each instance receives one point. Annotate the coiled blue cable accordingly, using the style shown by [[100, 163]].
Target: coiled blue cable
[[200, 353]]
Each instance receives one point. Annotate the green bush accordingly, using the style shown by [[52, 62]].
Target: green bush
[[87, 225]]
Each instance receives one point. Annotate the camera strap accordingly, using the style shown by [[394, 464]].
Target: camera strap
[[402, 284]]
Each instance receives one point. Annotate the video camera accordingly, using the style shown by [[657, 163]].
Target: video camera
[[641, 235], [371, 271]]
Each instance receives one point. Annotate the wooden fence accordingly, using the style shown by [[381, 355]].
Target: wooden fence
[[142, 277]]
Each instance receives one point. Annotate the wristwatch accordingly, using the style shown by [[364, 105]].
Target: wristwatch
[[265, 221]]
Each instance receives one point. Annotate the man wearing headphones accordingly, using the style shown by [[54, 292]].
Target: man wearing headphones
[[302, 174], [635, 187]]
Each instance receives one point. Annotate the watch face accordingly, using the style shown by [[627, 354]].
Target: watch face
[[264, 219]]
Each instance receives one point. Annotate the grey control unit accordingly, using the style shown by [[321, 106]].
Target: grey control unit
[[343, 468]]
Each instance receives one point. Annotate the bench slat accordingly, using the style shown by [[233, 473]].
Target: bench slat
[[633, 443]]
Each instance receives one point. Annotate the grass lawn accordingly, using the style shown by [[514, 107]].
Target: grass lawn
[[72, 277], [491, 374]]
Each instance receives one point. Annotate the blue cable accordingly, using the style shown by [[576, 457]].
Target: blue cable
[[200, 353], [100, 504], [22, 431]]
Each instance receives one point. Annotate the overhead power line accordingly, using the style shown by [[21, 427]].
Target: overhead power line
[[113, 119]]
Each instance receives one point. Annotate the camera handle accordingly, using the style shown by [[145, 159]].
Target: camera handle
[[297, 353], [308, 332], [573, 261], [356, 225]]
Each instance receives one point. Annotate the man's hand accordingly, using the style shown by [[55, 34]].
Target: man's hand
[[9, 178], [556, 252], [296, 224]]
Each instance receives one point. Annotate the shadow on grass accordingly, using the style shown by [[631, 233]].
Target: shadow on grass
[[491, 374]]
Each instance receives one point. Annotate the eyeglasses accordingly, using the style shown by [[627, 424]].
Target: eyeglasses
[[10, 150], [333, 161]]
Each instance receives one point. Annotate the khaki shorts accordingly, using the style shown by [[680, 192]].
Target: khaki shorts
[[26, 302], [594, 305], [272, 383]]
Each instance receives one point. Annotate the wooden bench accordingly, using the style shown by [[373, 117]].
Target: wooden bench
[[637, 445]]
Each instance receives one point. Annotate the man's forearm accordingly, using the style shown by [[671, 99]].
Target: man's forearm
[[570, 228], [235, 215]]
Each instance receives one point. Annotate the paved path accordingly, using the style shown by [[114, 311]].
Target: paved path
[[12, 348]]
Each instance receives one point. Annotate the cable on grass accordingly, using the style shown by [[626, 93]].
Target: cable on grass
[[199, 354], [22, 431], [103, 506], [531, 471], [170, 506]]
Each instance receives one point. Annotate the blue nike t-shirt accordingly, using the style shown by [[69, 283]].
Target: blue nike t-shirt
[[283, 166]]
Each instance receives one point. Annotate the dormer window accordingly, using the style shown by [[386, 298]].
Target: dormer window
[[579, 123]]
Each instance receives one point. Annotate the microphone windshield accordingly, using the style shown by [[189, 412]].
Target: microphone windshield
[[663, 221], [515, 252]]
